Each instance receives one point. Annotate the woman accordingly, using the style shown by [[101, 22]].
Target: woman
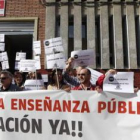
[[57, 82], [19, 79]]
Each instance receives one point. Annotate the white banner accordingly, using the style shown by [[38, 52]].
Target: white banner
[[79, 115], [83, 57], [120, 82]]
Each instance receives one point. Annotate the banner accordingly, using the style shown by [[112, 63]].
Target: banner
[[78, 115]]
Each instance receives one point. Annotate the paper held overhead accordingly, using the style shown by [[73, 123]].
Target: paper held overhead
[[53, 45], [83, 57], [122, 82]]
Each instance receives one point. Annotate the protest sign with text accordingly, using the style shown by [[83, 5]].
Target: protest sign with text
[[122, 82], [53, 45], [83, 57], [56, 61], [37, 47], [27, 65], [79, 115]]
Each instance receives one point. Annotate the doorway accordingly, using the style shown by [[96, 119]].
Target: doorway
[[17, 43]]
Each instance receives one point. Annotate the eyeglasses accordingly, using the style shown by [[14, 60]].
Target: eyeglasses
[[82, 74], [3, 78]]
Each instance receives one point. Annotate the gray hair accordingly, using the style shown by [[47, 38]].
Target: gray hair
[[9, 74]]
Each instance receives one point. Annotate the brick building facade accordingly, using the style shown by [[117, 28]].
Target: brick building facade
[[46, 28]]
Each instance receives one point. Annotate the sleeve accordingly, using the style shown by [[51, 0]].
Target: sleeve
[[100, 81]]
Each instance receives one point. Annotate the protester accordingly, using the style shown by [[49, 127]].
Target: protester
[[6, 82], [84, 77], [68, 79], [19, 79], [34, 81], [57, 81], [31, 75]]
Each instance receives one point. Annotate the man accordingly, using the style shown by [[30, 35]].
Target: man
[[84, 77], [6, 82], [71, 80]]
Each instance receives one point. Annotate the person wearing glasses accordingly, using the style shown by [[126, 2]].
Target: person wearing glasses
[[84, 77], [6, 82]]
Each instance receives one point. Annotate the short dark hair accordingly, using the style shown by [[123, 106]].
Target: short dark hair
[[9, 74]]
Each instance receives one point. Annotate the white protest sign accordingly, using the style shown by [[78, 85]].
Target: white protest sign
[[122, 82], [45, 77], [5, 65], [37, 64], [17, 65], [4, 56], [53, 45], [56, 61], [33, 84], [20, 56], [37, 47], [94, 75], [2, 37], [83, 57], [27, 65], [2, 46]]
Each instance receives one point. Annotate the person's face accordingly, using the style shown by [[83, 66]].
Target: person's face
[[84, 76], [32, 75], [59, 73], [78, 72], [18, 79], [5, 80]]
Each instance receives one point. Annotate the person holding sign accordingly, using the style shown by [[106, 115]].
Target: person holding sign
[[6, 82], [57, 81], [85, 84]]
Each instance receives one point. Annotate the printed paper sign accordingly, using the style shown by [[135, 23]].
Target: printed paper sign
[[53, 45], [20, 56], [37, 47], [45, 78], [56, 61], [34, 84], [27, 65], [17, 65], [2, 37], [2, 46], [83, 57], [5, 65], [2, 7], [37, 64], [4, 56], [94, 75], [122, 82]]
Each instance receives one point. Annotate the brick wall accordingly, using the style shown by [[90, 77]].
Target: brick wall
[[28, 8], [32, 8]]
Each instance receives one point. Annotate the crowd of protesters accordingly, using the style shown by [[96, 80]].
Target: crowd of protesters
[[67, 79]]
